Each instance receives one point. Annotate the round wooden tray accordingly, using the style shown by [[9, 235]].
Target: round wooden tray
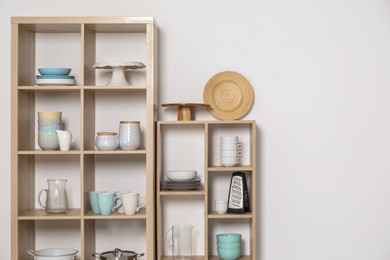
[[229, 94]]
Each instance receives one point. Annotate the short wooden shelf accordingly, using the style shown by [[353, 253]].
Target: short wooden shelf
[[199, 192], [115, 152], [214, 215], [40, 214], [47, 152], [230, 169], [139, 215]]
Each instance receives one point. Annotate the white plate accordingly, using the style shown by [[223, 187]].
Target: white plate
[[51, 82]]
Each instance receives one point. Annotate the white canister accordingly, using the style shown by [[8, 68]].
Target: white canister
[[129, 135], [107, 141]]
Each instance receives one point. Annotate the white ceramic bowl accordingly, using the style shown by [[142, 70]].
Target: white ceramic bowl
[[54, 254], [184, 175]]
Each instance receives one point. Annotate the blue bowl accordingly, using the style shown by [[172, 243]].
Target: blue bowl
[[229, 237], [229, 245], [229, 253], [49, 128], [54, 71]]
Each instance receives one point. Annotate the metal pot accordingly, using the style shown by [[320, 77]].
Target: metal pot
[[54, 254], [117, 254]]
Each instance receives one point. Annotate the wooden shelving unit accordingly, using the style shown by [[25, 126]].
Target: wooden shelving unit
[[205, 134], [84, 114]]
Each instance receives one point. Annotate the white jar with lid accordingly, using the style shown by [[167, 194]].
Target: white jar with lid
[[129, 135], [107, 141]]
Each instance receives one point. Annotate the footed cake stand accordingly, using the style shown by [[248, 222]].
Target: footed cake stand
[[118, 70]]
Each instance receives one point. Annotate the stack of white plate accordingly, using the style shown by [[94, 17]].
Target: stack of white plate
[[181, 180], [55, 76]]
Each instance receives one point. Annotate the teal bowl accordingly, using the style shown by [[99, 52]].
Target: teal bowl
[[229, 253], [54, 71], [49, 128], [229, 237], [229, 245]]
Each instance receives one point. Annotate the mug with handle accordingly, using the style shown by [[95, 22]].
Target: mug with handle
[[131, 202], [106, 202]]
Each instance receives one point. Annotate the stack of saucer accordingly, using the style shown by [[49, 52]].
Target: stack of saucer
[[55, 76]]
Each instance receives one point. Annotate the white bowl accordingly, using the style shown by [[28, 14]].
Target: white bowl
[[184, 175]]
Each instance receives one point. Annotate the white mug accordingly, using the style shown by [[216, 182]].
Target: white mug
[[131, 203], [229, 139], [230, 161], [230, 146], [229, 153], [119, 194]]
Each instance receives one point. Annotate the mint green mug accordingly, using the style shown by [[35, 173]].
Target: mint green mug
[[107, 202]]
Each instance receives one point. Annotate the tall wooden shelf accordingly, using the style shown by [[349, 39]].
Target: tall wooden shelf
[[85, 97], [212, 177]]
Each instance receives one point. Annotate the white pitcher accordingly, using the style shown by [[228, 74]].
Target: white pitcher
[[64, 139]]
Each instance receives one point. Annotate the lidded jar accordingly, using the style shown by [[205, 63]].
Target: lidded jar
[[107, 141], [129, 135]]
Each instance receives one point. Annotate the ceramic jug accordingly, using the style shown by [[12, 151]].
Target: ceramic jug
[[64, 139], [56, 197], [179, 237]]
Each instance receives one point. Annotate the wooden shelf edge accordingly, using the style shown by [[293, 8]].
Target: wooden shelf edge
[[214, 215], [47, 152], [40, 214], [116, 215], [229, 169]]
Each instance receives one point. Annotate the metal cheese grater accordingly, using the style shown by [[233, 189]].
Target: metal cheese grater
[[238, 201]]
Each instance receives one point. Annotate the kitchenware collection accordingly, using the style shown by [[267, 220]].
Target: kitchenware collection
[[51, 135], [181, 180], [229, 246], [229, 150], [129, 137], [55, 76], [124, 202]]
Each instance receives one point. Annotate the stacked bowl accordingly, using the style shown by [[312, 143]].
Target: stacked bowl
[[54, 76], [48, 123], [229, 246]]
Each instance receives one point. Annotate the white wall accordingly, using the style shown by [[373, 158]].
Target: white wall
[[320, 73]]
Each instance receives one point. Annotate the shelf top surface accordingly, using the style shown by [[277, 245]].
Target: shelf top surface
[[102, 24]]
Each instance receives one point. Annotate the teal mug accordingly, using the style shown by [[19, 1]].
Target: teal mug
[[107, 202], [93, 200]]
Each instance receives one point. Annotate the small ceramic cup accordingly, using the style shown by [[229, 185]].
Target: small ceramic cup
[[221, 206]]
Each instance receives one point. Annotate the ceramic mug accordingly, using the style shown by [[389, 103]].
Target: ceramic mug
[[106, 202], [221, 206], [119, 194], [93, 200], [131, 203]]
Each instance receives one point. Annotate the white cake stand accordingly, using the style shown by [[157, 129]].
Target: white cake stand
[[118, 70]]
